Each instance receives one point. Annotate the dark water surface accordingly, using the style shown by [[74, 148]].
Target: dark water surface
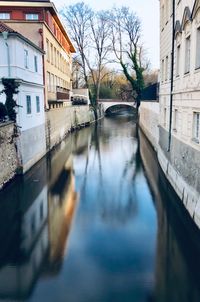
[[95, 221]]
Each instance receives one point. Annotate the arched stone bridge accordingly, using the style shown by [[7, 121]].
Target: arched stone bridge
[[109, 104]]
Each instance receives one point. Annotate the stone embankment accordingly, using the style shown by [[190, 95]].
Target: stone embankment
[[8, 153], [180, 165], [58, 123], [61, 121]]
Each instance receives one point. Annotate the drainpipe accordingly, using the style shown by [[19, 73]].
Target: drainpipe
[[172, 78], [5, 36]]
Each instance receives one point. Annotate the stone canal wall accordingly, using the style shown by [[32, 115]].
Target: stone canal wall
[[8, 153], [34, 144], [60, 121], [180, 165], [149, 121]]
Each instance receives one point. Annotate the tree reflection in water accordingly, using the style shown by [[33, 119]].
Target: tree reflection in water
[[81, 225]]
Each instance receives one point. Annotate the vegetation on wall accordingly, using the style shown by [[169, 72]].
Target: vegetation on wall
[[10, 89], [3, 112]]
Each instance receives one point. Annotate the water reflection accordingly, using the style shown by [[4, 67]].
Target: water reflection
[[96, 221], [178, 239]]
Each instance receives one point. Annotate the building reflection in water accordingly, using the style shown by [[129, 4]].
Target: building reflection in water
[[178, 239], [36, 213]]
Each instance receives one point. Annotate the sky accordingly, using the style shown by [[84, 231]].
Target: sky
[[147, 11]]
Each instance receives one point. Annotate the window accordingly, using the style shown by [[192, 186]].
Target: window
[[51, 54], [28, 104], [175, 121], [41, 211], [178, 52], [198, 48], [165, 117], [26, 58], [33, 224], [48, 81], [187, 54], [162, 17], [53, 83], [162, 69], [37, 104], [166, 68], [166, 11], [36, 63], [55, 57], [196, 124], [4, 16], [32, 17], [48, 51]]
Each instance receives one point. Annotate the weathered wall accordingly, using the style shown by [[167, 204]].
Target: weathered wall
[[180, 165], [31, 146], [149, 120], [61, 121], [8, 154]]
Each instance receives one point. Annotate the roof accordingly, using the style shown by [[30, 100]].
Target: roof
[[5, 28], [29, 0], [41, 3]]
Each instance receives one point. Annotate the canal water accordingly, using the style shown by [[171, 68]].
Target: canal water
[[96, 221]]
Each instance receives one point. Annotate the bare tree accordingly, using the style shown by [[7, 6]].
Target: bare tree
[[127, 47], [90, 32], [100, 37], [78, 18]]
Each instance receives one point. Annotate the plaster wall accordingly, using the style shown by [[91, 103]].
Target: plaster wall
[[148, 120], [61, 121]]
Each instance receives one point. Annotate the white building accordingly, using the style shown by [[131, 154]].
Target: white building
[[22, 60], [179, 152]]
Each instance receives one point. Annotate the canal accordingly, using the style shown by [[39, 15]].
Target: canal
[[96, 221]]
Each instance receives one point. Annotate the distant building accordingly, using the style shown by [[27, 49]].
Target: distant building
[[39, 22], [20, 59]]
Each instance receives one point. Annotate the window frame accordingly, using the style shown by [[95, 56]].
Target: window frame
[[38, 104], [3, 17], [32, 16], [26, 61], [196, 127], [28, 106], [187, 54], [197, 58], [36, 63]]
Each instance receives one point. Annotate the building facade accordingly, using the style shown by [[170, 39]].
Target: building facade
[[179, 138], [22, 60], [39, 22]]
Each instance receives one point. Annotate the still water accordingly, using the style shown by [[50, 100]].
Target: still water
[[96, 221]]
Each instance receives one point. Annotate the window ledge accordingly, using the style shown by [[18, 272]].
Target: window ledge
[[195, 140], [186, 74]]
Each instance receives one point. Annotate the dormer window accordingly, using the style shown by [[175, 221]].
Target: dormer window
[[4, 16], [32, 17]]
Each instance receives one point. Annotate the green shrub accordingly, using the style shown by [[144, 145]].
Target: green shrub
[[3, 111]]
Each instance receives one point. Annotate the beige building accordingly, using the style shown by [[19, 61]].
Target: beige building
[[39, 21], [179, 124], [185, 123]]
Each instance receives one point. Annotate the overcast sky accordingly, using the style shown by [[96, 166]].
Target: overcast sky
[[147, 11]]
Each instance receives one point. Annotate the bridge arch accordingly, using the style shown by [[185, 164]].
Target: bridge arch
[[110, 105]]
